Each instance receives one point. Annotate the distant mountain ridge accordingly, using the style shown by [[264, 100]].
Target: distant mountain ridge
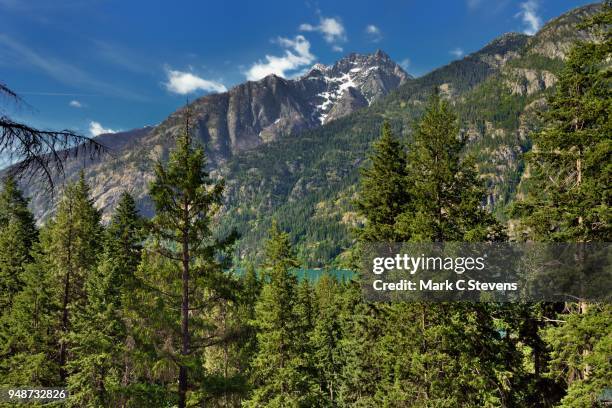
[[291, 149], [243, 118], [257, 112]]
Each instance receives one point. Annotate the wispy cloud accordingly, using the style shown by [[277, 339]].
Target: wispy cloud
[[331, 29], [529, 14], [184, 83], [60, 70], [374, 34], [488, 7], [473, 4], [120, 57], [54, 93], [95, 129], [75, 104], [405, 64], [457, 52], [297, 54]]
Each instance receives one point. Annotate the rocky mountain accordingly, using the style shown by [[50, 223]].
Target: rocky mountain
[[353, 82], [255, 113], [291, 149], [247, 116]]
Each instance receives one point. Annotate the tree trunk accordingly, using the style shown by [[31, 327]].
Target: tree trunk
[[65, 302], [184, 316], [62, 351]]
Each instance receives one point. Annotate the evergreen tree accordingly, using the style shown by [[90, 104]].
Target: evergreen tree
[[568, 189], [383, 192], [186, 199], [431, 354], [18, 233], [30, 335], [278, 366], [100, 370], [568, 200], [249, 296], [361, 329], [71, 243], [446, 196], [305, 312], [326, 337], [581, 346]]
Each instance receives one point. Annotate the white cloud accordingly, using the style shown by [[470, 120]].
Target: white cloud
[[529, 15], [331, 29], [457, 52], [95, 129], [405, 64], [297, 55], [184, 83], [75, 104], [337, 48], [373, 32]]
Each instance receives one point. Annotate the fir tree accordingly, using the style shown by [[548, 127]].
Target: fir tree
[[446, 195], [72, 242], [326, 337], [568, 189], [100, 370], [568, 200], [431, 354], [383, 192], [18, 233], [278, 365], [30, 335], [14, 206]]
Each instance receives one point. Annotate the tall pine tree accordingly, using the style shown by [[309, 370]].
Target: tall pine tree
[[18, 233], [446, 195], [186, 199], [29, 336]]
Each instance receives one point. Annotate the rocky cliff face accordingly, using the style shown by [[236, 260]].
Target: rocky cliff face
[[555, 39], [255, 113]]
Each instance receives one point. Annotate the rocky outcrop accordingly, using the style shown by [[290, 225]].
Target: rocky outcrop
[[523, 81]]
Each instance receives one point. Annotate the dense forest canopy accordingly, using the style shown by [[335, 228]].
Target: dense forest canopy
[[153, 312]]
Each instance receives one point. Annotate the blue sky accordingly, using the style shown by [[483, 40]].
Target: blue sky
[[96, 65]]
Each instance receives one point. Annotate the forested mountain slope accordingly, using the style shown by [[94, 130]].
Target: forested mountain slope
[[308, 183], [291, 149]]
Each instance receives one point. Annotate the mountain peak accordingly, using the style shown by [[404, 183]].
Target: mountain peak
[[354, 81], [381, 54]]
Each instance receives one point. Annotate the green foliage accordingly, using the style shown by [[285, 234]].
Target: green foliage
[[18, 233], [383, 192], [186, 200], [120, 314], [29, 335], [99, 372], [446, 194], [581, 348], [568, 191], [279, 365], [71, 243]]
